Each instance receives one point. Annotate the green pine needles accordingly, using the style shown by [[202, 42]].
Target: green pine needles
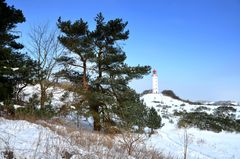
[[16, 69], [154, 121], [95, 64]]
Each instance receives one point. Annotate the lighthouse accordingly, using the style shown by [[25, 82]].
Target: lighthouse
[[154, 82]]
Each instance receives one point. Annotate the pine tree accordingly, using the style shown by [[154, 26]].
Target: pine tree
[[101, 68], [113, 74], [131, 110], [76, 38], [24, 74], [10, 59], [153, 120]]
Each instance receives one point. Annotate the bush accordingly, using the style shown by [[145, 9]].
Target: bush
[[210, 122], [178, 113], [32, 110], [7, 109], [26, 112], [149, 91], [154, 121], [225, 111], [201, 108], [171, 94]]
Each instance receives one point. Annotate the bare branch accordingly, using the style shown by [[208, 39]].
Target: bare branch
[[45, 49]]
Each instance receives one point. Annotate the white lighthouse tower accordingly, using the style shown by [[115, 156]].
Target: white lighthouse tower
[[154, 82]]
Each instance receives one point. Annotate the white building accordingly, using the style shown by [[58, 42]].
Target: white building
[[155, 82]]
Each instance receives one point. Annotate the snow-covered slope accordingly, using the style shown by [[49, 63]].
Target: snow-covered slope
[[156, 99], [52, 141], [28, 140], [57, 94], [202, 144], [165, 104]]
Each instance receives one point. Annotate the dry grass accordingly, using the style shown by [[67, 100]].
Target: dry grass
[[109, 146], [98, 144], [65, 86], [29, 118]]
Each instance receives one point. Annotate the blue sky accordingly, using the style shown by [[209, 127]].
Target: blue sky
[[193, 44]]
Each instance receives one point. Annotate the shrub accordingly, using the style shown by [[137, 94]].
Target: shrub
[[201, 108], [210, 122], [178, 113], [64, 96], [149, 91], [225, 111], [7, 109], [171, 94], [32, 109], [154, 120]]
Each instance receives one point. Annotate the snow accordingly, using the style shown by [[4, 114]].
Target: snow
[[29, 140], [202, 144], [72, 107], [56, 92], [156, 99], [17, 106], [235, 103], [15, 69]]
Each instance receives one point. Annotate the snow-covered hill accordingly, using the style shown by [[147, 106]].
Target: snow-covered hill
[[168, 105], [202, 144], [160, 99], [57, 94], [29, 140], [43, 140]]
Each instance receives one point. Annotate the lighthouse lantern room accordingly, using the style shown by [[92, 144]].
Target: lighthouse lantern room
[[154, 82]]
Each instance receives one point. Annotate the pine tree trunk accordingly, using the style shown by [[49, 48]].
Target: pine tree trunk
[[152, 132], [100, 54], [85, 83], [96, 118], [95, 108]]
